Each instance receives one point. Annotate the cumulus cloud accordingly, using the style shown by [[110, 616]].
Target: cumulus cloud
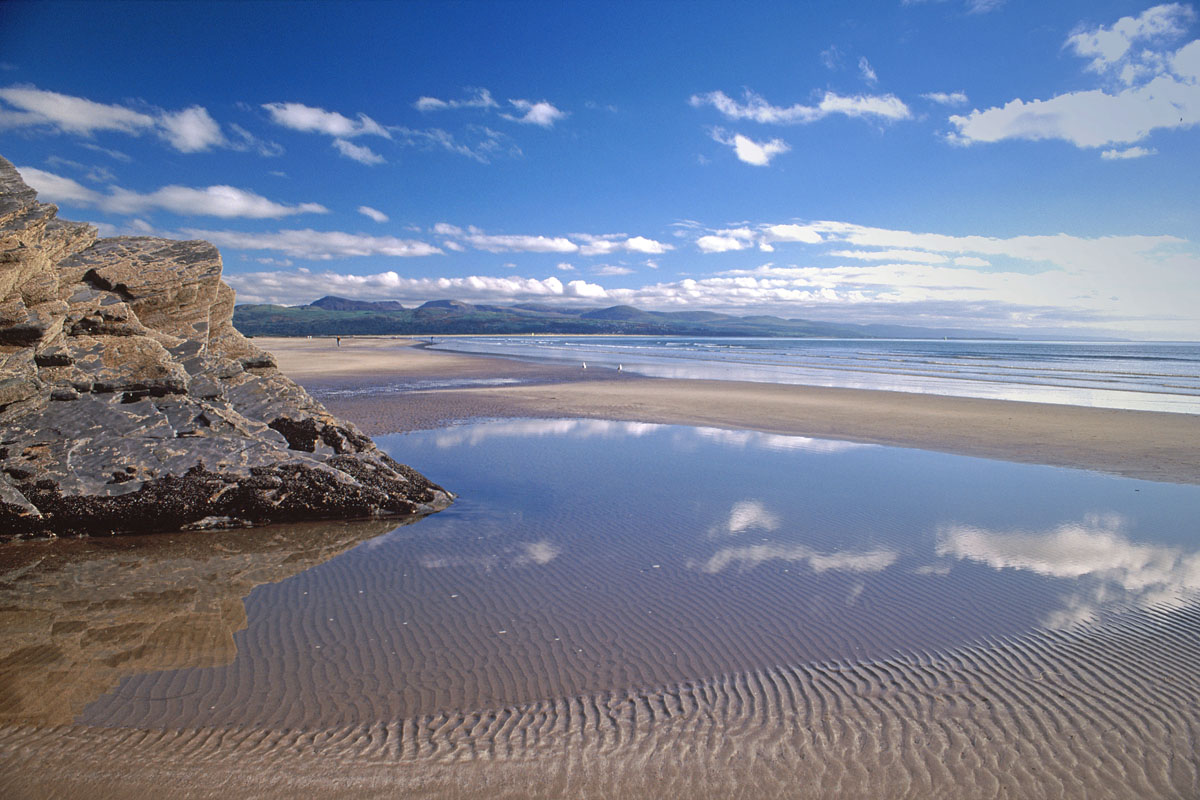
[[603, 245], [213, 201], [1155, 89], [302, 286], [757, 109], [1111, 47], [747, 150], [583, 243], [613, 269], [190, 130], [542, 113], [316, 245], [373, 213]]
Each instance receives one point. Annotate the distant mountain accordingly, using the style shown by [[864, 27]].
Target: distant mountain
[[331, 303], [338, 316]]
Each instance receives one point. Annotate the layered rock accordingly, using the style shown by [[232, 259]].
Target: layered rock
[[128, 401]]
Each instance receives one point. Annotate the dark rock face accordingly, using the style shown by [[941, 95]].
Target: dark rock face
[[129, 403]]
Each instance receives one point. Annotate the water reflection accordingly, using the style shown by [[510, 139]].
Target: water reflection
[[612, 429], [1094, 553], [837, 561], [585, 556], [78, 616]]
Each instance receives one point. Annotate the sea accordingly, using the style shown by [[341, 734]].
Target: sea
[[1147, 376]]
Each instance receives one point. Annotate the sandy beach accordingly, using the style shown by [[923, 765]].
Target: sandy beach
[[1138, 444]]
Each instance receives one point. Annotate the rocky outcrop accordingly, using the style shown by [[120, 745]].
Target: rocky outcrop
[[128, 401]]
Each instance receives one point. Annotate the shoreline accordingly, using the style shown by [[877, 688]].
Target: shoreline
[[1147, 445]]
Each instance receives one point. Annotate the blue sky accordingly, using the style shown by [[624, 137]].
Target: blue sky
[[1014, 166]]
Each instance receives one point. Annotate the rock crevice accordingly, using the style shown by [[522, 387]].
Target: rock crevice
[[129, 403]]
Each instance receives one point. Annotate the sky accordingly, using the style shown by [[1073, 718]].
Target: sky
[[1017, 167]]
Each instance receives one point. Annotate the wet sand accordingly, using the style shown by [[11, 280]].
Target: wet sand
[[1100, 711], [1139, 444]]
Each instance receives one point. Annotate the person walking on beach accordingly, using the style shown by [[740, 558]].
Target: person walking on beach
[[339, 340]]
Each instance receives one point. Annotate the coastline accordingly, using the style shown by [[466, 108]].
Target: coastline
[[1147, 445]]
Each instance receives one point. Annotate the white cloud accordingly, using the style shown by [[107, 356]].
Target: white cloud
[[53, 188], [868, 73], [758, 154], [1127, 153], [214, 201], [479, 98], [1139, 284], [192, 130], [1089, 118], [791, 233], [612, 269], [65, 113], [757, 109], [1186, 62], [316, 245], [359, 153], [541, 113], [310, 119], [641, 244], [373, 213], [604, 245], [564, 266], [713, 243], [1158, 90], [502, 243], [947, 98], [302, 286], [918, 256], [1109, 47]]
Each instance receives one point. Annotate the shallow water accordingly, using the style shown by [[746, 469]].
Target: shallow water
[[1147, 376], [732, 600]]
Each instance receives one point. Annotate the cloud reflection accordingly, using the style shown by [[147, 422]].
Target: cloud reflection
[[751, 514], [573, 428], [1094, 549], [777, 442], [875, 560]]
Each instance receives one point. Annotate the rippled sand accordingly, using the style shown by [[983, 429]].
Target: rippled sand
[[1077, 715]]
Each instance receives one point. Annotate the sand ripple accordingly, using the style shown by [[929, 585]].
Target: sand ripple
[[1110, 712]]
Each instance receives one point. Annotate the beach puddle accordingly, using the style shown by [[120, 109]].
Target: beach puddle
[[876, 619]]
